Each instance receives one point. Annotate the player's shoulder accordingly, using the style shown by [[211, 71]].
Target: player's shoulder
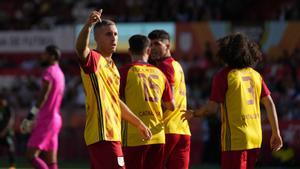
[[167, 64], [167, 61], [96, 56], [255, 72], [53, 69], [144, 65], [147, 67], [94, 52]]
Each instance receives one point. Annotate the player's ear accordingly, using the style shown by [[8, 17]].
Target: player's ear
[[168, 45], [148, 50]]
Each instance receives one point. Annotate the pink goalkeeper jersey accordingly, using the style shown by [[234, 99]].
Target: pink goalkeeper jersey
[[50, 110]]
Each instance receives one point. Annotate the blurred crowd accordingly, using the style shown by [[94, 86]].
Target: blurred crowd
[[45, 14]]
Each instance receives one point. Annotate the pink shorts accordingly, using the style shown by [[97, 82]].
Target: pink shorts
[[242, 159], [106, 155], [177, 151], [144, 157], [45, 137]]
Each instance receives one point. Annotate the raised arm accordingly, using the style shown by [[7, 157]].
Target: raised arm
[[276, 140], [82, 42]]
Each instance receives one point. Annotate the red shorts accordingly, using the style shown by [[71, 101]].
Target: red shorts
[[144, 157], [243, 159], [177, 151], [106, 155]]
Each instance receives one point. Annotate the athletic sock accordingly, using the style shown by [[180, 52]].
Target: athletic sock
[[53, 166], [38, 163]]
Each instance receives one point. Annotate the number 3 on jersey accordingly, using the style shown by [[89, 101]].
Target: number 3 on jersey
[[250, 89], [149, 85]]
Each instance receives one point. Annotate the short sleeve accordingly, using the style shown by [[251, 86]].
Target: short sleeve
[[219, 87], [264, 90], [90, 66], [167, 68], [46, 76], [167, 94]]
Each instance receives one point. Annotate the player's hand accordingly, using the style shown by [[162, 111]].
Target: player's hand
[[145, 132], [188, 114], [94, 17], [26, 126], [276, 142]]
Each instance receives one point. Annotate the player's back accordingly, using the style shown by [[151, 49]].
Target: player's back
[[241, 125], [142, 89]]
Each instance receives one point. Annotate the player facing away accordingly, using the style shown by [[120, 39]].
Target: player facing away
[[44, 120], [101, 81], [7, 131], [144, 89], [238, 89], [177, 150]]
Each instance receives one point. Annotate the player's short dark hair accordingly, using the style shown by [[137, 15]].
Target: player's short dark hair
[[238, 51], [104, 22], [53, 51], [159, 34], [138, 44]]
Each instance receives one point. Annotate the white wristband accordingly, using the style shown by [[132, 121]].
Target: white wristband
[[34, 110]]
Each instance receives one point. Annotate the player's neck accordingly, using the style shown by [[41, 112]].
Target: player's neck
[[104, 53], [53, 62], [139, 59], [107, 57]]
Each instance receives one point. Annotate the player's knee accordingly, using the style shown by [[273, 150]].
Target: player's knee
[[30, 155]]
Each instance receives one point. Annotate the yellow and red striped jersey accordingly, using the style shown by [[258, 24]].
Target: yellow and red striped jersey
[[239, 92], [143, 88], [174, 123], [101, 82]]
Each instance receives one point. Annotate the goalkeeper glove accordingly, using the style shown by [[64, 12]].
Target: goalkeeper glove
[[27, 123]]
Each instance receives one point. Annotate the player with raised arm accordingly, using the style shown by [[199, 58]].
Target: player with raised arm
[[101, 81], [238, 89], [177, 150], [44, 120], [144, 89]]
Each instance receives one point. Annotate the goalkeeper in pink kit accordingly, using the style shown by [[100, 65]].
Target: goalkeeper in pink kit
[[44, 120]]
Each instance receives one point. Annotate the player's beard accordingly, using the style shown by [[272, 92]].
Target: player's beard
[[152, 61], [44, 63]]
